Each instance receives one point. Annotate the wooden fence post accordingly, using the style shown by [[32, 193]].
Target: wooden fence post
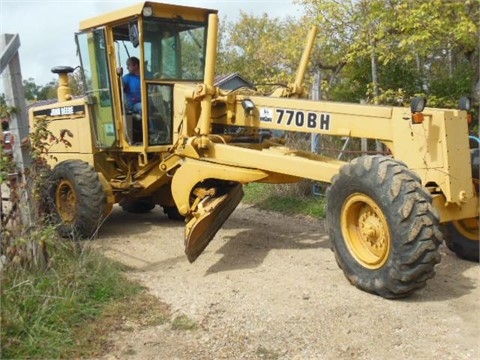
[[15, 98]]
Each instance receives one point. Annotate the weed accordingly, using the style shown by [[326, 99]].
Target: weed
[[264, 353], [59, 299], [42, 310], [129, 352], [183, 322]]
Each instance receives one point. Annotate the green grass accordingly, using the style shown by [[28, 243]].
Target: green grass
[[183, 322], [267, 197], [43, 312]]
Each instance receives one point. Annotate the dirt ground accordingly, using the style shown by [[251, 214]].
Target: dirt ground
[[268, 287]]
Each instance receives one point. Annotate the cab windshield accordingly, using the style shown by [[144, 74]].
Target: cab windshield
[[174, 51]]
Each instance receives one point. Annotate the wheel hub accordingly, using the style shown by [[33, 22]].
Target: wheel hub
[[468, 228], [372, 231], [366, 231], [66, 200]]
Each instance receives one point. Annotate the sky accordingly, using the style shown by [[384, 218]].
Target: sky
[[46, 28]]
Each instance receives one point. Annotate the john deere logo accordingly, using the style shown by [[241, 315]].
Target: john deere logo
[[67, 110], [61, 111]]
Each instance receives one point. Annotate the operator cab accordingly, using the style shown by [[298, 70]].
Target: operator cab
[[168, 44]]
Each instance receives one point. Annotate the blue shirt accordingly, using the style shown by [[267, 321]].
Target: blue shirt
[[131, 86]]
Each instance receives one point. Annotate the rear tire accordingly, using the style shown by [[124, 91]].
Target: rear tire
[[172, 213], [138, 206], [77, 202], [462, 236], [383, 227]]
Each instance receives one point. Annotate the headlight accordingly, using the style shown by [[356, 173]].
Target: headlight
[[147, 11], [417, 104], [465, 103], [248, 106]]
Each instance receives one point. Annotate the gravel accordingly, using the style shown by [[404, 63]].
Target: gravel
[[268, 287]]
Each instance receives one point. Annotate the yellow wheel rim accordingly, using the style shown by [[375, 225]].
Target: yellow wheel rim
[[365, 231], [65, 201], [468, 228]]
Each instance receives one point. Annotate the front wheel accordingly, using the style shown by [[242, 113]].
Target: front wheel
[[383, 228], [77, 201]]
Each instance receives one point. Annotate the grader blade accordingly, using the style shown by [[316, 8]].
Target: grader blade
[[212, 213]]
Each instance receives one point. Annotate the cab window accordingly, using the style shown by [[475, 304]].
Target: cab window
[[174, 51], [94, 62]]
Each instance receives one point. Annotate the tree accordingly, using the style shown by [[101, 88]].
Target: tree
[[264, 50], [34, 92], [48, 91], [343, 26], [445, 35], [433, 40], [31, 89], [75, 81]]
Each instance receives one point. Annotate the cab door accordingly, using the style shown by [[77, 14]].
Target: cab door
[[94, 61]]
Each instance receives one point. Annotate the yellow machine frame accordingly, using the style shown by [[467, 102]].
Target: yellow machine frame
[[201, 171]]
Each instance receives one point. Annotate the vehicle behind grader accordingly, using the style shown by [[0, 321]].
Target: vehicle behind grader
[[387, 215]]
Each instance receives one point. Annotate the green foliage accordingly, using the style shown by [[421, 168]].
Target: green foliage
[[431, 25], [387, 97], [34, 92], [455, 85], [20, 244], [42, 139], [274, 198], [41, 310], [31, 89], [6, 164], [257, 48], [419, 46], [355, 84], [38, 92], [5, 110]]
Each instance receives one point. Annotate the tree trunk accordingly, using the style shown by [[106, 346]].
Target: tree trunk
[[376, 90], [374, 61]]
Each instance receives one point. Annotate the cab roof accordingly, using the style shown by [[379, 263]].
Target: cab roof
[[159, 10]]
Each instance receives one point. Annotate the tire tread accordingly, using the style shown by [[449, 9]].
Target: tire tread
[[411, 217]]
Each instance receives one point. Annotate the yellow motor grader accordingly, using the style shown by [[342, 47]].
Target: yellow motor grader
[[386, 215]]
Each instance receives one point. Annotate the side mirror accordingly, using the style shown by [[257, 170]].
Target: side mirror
[[133, 35]]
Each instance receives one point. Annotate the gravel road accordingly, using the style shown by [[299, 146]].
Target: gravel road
[[268, 287]]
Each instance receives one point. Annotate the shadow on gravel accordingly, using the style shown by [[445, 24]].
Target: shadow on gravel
[[450, 281], [121, 223], [248, 241], [249, 248]]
